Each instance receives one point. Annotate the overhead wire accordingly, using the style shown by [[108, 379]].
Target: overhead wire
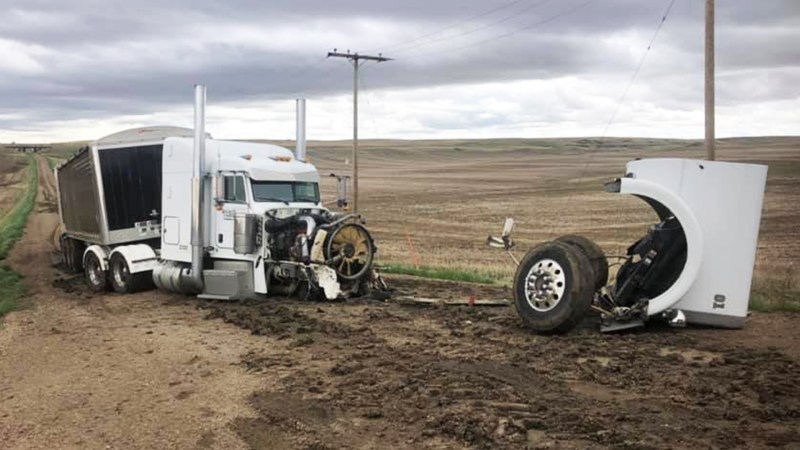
[[625, 92], [638, 67], [451, 26], [363, 87], [491, 39], [306, 69], [545, 21], [480, 28], [531, 26]]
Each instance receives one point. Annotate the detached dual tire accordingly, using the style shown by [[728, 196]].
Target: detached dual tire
[[554, 287], [595, 255]]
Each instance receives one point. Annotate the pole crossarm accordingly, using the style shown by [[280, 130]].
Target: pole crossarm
[[356, 57]]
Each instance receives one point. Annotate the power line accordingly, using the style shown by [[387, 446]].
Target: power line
[[504, 35], [515, 31], [453, 25], [638, 68], [625, 93], [480, 28], [363, 85], [306, 67], [309, 76]]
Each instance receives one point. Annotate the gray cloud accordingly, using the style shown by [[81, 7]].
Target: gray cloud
[[89, 59]]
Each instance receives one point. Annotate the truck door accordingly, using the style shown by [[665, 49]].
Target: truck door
[[234, 200]]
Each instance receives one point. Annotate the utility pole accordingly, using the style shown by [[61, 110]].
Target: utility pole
[[357, 60], [709, 88]]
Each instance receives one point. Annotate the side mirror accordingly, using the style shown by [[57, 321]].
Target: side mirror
[[508, 227], [342, 185], [504, 241]]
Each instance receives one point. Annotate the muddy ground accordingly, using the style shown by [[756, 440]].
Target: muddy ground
[[395, 374], [155, 370]]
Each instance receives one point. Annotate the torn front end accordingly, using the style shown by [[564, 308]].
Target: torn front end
[[319, 254], [694, 266]]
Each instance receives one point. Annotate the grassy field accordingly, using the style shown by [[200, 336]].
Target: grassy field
[[12, 225], [447, 196]]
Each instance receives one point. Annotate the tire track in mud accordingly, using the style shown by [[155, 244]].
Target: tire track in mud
[[366, 374]]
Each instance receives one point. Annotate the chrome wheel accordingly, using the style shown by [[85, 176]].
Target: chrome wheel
[[545, 285], [120, 272], [95, 273]]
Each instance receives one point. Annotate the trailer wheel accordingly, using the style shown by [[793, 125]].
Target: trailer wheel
[[66, 253], [553, 287], [595, 255], [96, 277], [125, 282], [72, 253]]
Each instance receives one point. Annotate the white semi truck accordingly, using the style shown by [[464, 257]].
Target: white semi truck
[[174, 208]]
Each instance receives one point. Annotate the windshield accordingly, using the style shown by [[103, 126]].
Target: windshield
[[285, 191]]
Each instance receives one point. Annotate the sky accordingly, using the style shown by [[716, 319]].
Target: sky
[[82, 69]]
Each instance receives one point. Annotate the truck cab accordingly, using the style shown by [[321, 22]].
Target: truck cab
[[250, 181]]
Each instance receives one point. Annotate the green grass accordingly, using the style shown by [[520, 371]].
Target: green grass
[[12, 225], [444, 273], [53, 162], [11, 289], [778, 292]]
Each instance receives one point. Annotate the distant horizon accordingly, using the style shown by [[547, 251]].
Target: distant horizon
[[9, 143]]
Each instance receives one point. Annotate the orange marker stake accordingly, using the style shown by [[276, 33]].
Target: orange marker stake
[[414, 256]]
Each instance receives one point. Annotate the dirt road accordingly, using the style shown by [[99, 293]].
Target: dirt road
[[154, 370], [113, 371]]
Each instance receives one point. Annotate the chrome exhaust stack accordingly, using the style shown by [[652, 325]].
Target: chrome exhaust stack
[[300, 132], [192, 280]]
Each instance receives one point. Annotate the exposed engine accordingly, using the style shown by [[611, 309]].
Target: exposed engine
[[299, 244]]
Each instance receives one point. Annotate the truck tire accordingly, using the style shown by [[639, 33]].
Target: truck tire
[[66, 253], [72, 253], [125, 282], [96, 277], [553, 287], [595, 255]]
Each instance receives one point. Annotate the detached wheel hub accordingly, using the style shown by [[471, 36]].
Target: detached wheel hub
[[545, 285]]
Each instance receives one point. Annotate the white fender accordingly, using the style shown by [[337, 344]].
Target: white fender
[[694, 239], [101, 253], [140, 257]]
